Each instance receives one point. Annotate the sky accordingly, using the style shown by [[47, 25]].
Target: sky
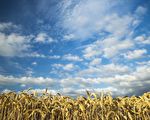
[[70, 46]]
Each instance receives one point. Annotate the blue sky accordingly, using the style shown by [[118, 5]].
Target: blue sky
[[70, 46]]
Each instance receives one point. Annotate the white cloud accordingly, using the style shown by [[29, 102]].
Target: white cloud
[[82, 91], [39, 55], [34, 54], [97, 90], [29, 71], [14, 44], [23, 85], [69, 67], [54, 57], [139, 53], [103, 70], [6, 91], [50, 51], [144, 63], [43, 38], [118, 25], [71, 57], [34, 63], [115, 68], [82, 19], [57, 65], [95, 61], [7, 26], [108, 48], [116, 47], [142, 72], [77, 81], [30, 81], [143, 39], [141, 10], [91, 51], [123, 84], [66, 67], [69, 37], [135, 82], [95, 17], [89, 17]]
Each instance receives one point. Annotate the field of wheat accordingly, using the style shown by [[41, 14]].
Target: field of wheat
[[24, 106]]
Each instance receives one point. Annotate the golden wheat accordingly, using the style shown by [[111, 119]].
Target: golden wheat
[[24, 106]]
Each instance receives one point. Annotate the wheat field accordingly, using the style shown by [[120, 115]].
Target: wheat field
[[25, 106]]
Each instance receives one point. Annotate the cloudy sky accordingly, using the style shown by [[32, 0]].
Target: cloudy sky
[[70, 46]]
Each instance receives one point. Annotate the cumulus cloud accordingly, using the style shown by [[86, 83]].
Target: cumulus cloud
[[44, 38], [104, 70], [34, 54], [142, 39], [66, 67], [17, 45], [134, 82], [108, 47], [139, 53], [7, 26], [126, 84], [139, 82], [71, 57], [89, 17], [95, 61], [30, 81], [123, 84], [144, 63], [34, 63], [119, 25], [77, 81], [82, 18], [69, 37], [14, 44], [54, 57], [29, 71], [6, 91], [91, 51], [113, 46], [82, 91], [57, 65], [140, 10]]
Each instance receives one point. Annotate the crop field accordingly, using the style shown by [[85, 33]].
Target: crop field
[[25, 106]]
